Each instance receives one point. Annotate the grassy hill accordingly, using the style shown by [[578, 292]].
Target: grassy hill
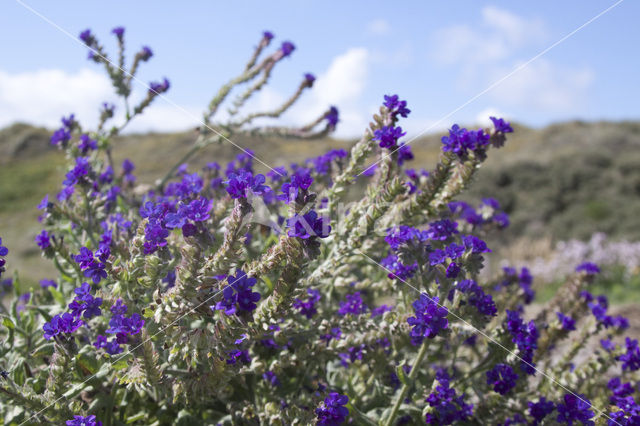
[[565, 180]]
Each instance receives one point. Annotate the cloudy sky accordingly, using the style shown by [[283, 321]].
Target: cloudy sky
[[453, 61]]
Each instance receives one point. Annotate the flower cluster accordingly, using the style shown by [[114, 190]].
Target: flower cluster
[[250, 323], [308, 225], [93, 267], [525, 336], [502, 378], [308, 307], [3, 252], [333, 410], [120, 325], [446, 406], [245, 184], [84, 305], [238, 296], [430, 318]]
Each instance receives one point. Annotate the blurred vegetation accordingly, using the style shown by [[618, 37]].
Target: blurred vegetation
[[564, 181], [620, 286]]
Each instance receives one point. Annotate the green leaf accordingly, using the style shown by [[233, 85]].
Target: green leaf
[[131, 419], [121, 364], [268, 282], [402, 376], [57, 296], [6, 321], [87, 363]]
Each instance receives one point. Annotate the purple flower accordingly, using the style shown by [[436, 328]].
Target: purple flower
[[353, 354], [286, 48], [541, 409], [87, 37], [43, 241], [86, 144], [322, 163], [334, 334], [277, 174], [475, 244], [619, 389], [198, 210], [308, 225], [353, 305], [501, 125], [525, 336], [81, 169], [460, 141], [96, 272], [332, 117], [44, 203], [630, 359], [396, 106], [300, 181], [388, 136], [118, 31], [375, 312], [588, 268], [575, 408], [267, 35], [244, 183], [156, 88], [155, 236], [271, 378], [442, 229], [146, 53], [238, 296], [85, 258], [430, 318], [566, 322], [92, 307], [238, 355], [84, 421], [607, 345], [502, 378], [48, 283], [308, 308], [483, 302], [119, 308], [128, 166], [400, 235], [61, 324], [121, 325], [398, 270], [309, 79], [333, 411], [448, 406], [437, 257], [454, 251], [404, 153]]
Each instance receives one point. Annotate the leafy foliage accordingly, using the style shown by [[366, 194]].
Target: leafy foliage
[[223, 296]]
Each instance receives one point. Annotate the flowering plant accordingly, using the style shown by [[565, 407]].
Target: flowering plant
[[224, 296]]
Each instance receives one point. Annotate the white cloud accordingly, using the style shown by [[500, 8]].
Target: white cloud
[[483, 120], [164, 117], [44, 96], [379, 27], [543, 86], [498, 35], [342, 85]]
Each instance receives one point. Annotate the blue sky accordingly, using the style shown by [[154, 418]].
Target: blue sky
[[437, 55]]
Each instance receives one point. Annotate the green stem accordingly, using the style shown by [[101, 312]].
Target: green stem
[[405, 388]]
